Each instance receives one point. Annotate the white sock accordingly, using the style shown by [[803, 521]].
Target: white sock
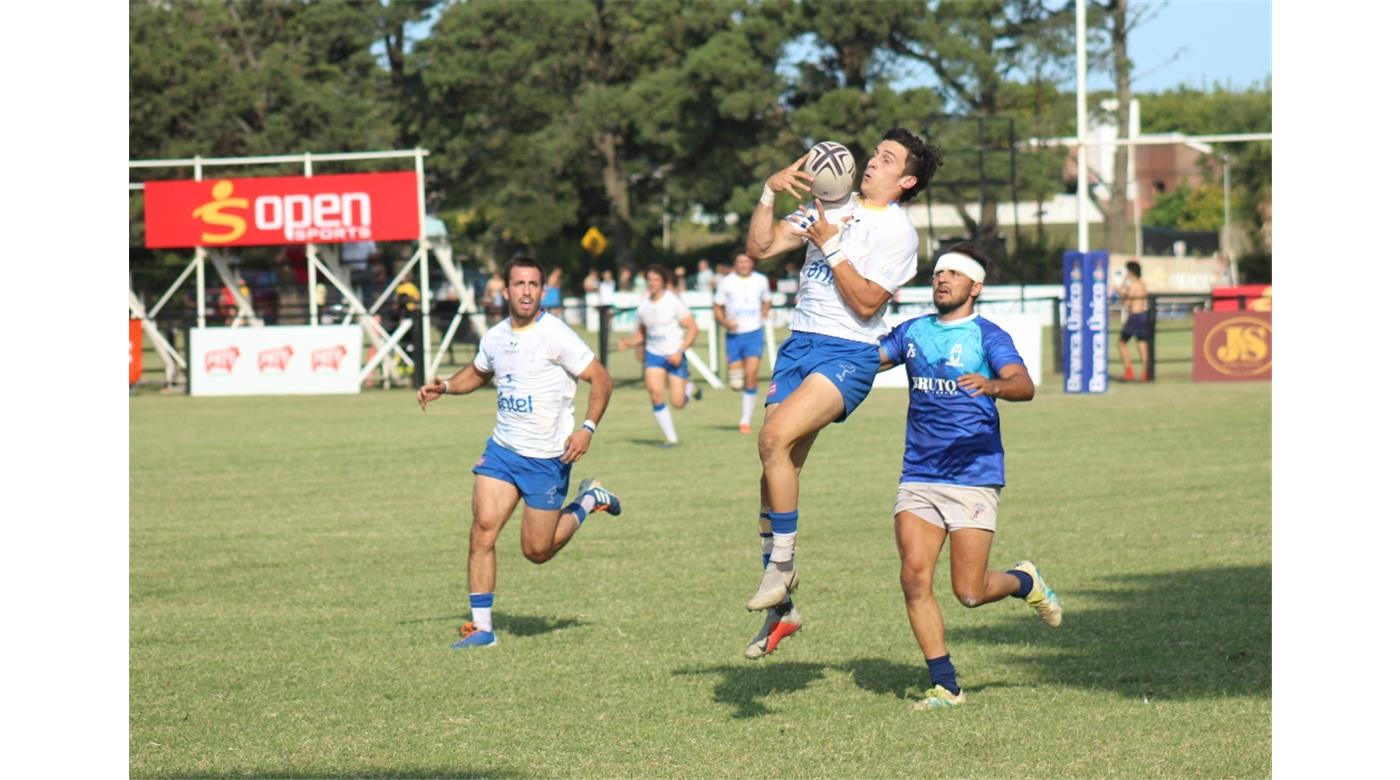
[[689, 390], [783, 545], [749, 398], [481, 616], [663, 418]]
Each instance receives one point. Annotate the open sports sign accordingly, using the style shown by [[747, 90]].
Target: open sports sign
[[282, 210]]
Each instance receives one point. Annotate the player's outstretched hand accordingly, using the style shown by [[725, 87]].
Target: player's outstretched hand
[[791, 178], [576, 445], [811, 222], [431, 392], [975, 384]]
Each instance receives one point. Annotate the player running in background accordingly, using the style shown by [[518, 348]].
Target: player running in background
[[954, 466], [668, 329], [857, 256], [536, 361], [742, 303]]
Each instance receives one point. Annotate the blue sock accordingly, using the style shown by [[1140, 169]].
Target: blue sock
[[1026, 583], [765, 537], [784, 522], [577, 511], [941, 672], [658, 407]]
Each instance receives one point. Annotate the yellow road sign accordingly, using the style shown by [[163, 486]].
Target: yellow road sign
[[593, 242]]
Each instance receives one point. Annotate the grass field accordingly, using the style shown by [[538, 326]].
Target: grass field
[[298, 572]]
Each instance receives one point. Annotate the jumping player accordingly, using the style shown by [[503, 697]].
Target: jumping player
[[536, 361], [857, 256], [742, 303], [954, 466], [668, 329]]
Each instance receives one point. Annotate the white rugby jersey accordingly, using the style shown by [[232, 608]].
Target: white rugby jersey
[[881, 244], [662, 319], [536, 371], [742, 299]]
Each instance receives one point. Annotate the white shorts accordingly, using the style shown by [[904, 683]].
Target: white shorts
[[951, 507]]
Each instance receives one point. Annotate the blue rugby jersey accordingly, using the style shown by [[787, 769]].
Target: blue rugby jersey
[[950, 436]]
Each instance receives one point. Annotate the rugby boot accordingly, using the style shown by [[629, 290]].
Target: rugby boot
[[778, 583], [1041, 598], [778, 624]]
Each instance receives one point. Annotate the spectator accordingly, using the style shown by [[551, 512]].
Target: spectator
[[681, 284], [606, 288], [704, 277], [553, 296], [493, 299]]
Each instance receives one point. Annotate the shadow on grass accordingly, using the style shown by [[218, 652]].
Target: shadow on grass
[[529, 625], [1190, 634], [397, 771], [742, 687], [651, 444]]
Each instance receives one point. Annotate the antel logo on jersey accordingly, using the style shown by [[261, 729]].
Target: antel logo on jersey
[[220, 360], [1240, 346], [328, 358], [274, 360], [508, 403]]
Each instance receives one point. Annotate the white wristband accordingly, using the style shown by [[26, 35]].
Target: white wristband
[[445, 387], [767, 197], [590, 426], [832, 250]]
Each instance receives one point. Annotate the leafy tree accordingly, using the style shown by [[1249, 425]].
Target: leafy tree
[[1188, 208], [554, 116]]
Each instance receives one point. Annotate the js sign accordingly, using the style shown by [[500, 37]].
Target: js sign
[[1233, 345]]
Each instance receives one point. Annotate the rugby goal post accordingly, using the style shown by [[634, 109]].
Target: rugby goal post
[[319, 266]]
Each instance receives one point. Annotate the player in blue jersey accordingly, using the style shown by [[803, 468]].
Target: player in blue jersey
[[536, 361], [954, 467], [859, 252]]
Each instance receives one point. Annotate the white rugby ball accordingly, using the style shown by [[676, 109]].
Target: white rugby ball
[[833, 170]]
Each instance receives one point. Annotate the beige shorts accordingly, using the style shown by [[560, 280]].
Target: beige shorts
[[952, 507]]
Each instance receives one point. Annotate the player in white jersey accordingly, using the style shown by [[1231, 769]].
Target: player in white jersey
[[667, 328], [536, 360], [858, 254], [742, 303]]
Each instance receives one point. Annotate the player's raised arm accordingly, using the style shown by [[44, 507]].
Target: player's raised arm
[[460, 383], [768, 238], [600, 387]]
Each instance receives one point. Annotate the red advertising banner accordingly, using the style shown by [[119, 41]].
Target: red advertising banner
[[1256, 297], [282, 210], [1233, 346], [133, 339]]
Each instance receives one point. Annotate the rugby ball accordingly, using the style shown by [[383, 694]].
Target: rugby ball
[[833, 170]]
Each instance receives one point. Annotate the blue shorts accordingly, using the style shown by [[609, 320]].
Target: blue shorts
[[738, 346], [659, 361], [850, 365], [543, 482], [1137, 325]]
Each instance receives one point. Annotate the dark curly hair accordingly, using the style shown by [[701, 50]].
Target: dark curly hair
[[923, 159]]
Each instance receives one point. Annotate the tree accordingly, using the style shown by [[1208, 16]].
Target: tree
[[553, 116], [974, 49]]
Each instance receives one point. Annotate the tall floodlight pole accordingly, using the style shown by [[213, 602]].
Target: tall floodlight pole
[[1082, 118], [1225, 243]]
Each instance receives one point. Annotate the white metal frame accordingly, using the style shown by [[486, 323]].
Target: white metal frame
[[383, 341]]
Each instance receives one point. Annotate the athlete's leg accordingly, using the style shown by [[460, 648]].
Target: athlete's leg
[[815, 404], [972, 583], [751, 372], [1127, 359], [920, 543], [493, 502], [544, 532], [655, 380], [1142, 352], [676, 385]]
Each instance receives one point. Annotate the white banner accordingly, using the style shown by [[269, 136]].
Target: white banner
[[287, 360], [1025, 330]]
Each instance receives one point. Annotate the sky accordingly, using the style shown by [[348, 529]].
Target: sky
[[1220, 41]]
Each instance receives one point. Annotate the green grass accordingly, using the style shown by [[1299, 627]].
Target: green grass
[[298, 572]]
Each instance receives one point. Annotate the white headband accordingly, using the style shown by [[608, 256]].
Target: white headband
[[955, 261]]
